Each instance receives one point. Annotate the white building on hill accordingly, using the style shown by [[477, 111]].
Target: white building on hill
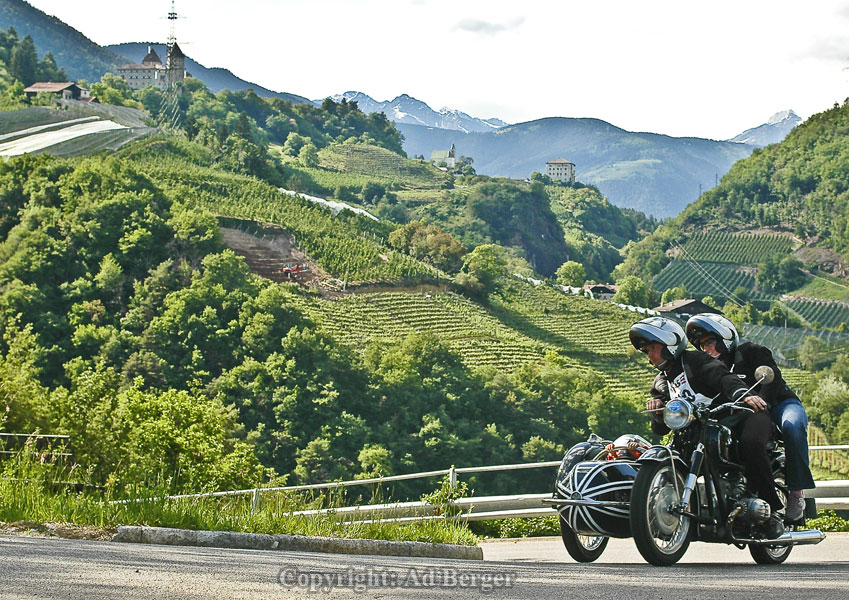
[[560, 169]]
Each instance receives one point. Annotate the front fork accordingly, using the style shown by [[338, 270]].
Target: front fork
[[692, 477]]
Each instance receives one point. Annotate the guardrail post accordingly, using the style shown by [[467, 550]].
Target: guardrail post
[[255, 501], [452, 477]]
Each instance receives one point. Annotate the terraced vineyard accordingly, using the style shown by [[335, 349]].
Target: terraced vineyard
[[787, 339], [346, 247], [589, 335], [827, 313], [379, 163], [736, 248], [709, 279]]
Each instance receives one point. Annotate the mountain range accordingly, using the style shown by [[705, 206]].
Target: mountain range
[[411, 111], [654, 173], [771, 132]]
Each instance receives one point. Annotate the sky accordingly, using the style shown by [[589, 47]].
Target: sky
[[681, 68]]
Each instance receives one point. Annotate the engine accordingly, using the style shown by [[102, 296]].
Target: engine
[[753, 510], [747, 508]]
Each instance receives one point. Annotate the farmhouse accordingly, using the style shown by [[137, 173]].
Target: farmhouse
[[560, 169], [685, 308], [66, 90], [602, 291]]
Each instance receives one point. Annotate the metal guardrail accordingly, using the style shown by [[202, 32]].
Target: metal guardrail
[[830, 495]]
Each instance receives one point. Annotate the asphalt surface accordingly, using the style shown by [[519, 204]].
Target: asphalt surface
[[538, 569]]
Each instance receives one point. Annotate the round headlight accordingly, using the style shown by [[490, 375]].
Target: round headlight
[[677, 414]]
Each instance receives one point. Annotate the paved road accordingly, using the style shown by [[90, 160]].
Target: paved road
[[54, 568]]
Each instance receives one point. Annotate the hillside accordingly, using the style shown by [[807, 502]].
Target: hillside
[[797, 186], [215, 78], [656, 174], [79, 56]]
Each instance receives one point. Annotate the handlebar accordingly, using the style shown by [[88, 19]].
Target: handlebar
[[738, 405]]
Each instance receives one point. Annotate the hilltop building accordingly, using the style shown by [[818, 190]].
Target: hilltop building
[[151, 71], [560, 169], [449, 157], [66, 90]]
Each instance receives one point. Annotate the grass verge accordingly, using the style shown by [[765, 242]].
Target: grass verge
[[36, 494]]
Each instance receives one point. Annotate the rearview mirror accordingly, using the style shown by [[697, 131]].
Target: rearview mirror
[[764, 374]]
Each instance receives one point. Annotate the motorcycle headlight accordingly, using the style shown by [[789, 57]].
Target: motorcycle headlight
[[677, 414]]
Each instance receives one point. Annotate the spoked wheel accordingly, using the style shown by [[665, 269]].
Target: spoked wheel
[[773, 555], [661, 535], [583, 548]]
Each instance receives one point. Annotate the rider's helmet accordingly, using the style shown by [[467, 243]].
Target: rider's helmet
[[659, 329], [708, 324]]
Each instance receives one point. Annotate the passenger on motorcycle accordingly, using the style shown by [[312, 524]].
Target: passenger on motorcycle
[[629, 445], [718, 337], [688, 373]]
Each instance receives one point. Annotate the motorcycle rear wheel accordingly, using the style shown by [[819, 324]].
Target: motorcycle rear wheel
[[773, 555], [583, 548], [661, 536]]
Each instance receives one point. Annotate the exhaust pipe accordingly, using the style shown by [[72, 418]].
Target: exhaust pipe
[[797, 538]]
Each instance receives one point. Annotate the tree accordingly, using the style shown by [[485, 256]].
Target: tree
[[633, 291], [571, 273], [294, 143], [485, 264], [308, 155], [675, 293], [23, 62]]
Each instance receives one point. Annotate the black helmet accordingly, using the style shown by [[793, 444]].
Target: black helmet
[[662, 330], [709, 324]]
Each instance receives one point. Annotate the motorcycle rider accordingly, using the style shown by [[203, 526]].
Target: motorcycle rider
[[717, 336], [686, 373]]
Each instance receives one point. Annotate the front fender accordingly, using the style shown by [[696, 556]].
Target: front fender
[[661, 454]]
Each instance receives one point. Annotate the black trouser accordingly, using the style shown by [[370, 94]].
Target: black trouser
[[753, 433]]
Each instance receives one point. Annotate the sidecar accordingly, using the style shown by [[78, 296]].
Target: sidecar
[[592, 495]]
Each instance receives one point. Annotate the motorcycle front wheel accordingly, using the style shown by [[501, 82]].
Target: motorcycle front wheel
[[661, 535], [583, 548]]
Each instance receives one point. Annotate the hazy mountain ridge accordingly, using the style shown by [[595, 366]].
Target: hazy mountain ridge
[[408, 110], [654, 173], [79, 56]]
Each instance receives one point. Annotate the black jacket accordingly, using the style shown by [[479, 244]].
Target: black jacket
[[748, 357], [707, 376]]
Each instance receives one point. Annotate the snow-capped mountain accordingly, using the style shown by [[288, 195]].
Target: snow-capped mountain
[[406, 109], [771, 132]]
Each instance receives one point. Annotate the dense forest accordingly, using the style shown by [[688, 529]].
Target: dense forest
[[128, 327]]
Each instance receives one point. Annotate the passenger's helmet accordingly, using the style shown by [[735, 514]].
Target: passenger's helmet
[[709, 324], [659, 329]]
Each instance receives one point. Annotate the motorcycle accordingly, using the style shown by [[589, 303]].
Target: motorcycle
[[693, 489]]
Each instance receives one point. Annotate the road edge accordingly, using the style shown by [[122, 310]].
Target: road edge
[[295, 543]]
